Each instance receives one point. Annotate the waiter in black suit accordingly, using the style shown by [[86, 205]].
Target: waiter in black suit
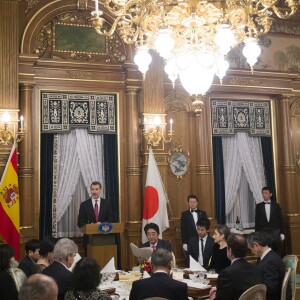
[[94, 210], [268, 214], [200, 246], [189, 219]]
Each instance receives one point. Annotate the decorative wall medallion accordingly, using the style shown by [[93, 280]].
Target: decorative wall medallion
[[229, 116], [179, 162], [63, 111]]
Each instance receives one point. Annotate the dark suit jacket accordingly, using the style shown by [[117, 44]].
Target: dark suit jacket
[[193, 249], [160, 244], [236, 279], [272, 270], [27, 266], [188, 227], [87, 215], [62, 276], [276, 220], [158, 285]]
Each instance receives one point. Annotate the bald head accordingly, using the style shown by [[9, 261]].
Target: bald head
[[38, 287]]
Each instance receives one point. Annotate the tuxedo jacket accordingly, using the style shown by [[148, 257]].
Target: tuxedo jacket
[[276, 220], [27, 266], [188, 227], [193, 249], [87, 214], [62, 276], [273, 271], [160, 244], [236, 279], [158, 285]]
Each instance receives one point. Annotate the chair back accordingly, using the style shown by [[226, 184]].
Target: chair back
[[256, 292], [285, 283], [18, 276], [291, 261]]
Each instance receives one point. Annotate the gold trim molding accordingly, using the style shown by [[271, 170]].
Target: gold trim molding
[[204, 170], [289, 169], [133, 171], [244, 81], [72, 74]]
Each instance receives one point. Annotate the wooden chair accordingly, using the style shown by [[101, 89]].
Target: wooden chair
[[285, 282], [291, 261], [18, 276], [257, 292]]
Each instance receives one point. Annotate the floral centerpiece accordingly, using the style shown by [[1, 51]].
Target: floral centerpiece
[[145, 266]]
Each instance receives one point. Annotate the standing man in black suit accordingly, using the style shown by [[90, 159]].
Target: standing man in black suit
[[189, 219], [159, 284], [63, 254], [268, 214], [234, 280], [200, 247], [152, 233], [94, 210], [270, 264]]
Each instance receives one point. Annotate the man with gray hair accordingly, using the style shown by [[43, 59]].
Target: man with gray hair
[[159, 284], [63, 254], [38, 287], [270, 264]]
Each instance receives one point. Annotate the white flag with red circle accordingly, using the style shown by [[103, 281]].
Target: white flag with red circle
[[155, 199]]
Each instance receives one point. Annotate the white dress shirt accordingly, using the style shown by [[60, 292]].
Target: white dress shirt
[[268, 209], [200, 257]]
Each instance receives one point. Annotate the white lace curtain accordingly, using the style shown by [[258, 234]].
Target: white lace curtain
[[243, 176], [79, 161]]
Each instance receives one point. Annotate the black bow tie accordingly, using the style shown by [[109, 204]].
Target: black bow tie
[[267, 202], [194, 210]]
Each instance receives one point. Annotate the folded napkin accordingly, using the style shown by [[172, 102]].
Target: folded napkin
[[195, 266], [146, 275], [109, 267]]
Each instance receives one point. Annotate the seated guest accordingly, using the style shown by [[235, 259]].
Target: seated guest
[[240, 276], [46, 253], [85, 282], [270, 264], [219, 259], [159, 284], [39, 287], [27, 265], [8, 289], [63, 254], [152, 233], [200, 247]]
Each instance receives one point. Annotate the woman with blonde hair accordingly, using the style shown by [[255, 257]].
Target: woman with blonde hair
[[219, 260]]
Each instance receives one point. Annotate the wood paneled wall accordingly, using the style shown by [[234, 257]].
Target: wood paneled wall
[[29, 74]]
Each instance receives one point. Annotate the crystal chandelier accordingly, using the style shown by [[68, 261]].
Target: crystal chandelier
[[192, 36]]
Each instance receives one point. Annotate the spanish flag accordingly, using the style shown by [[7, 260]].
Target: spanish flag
[[10, 204]]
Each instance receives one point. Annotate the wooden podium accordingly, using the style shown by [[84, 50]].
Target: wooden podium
[[102, 246]]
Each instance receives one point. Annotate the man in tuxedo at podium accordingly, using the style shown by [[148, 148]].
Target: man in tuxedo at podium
[[94, 210]]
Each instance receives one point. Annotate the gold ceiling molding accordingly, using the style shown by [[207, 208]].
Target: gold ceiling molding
[[244, 81], [78, 74], [31, 4], [176, 102], [286, 27], [47, 41], [295, 107]]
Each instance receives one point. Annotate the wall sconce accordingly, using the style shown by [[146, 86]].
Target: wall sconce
[[154, 130], [298, 162], [6, 134]]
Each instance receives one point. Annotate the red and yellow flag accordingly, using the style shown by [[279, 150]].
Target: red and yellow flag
[[10, 204]]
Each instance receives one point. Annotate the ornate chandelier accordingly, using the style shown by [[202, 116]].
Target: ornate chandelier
[[192, 36]]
